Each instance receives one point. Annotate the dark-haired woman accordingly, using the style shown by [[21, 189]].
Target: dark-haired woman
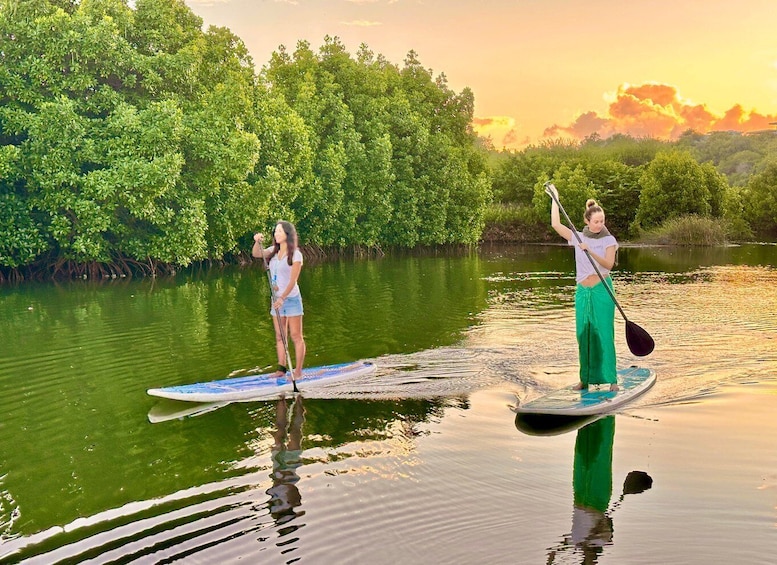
[[285, 263], [594, 308]]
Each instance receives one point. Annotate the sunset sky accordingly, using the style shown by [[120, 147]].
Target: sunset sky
[[553, 68]]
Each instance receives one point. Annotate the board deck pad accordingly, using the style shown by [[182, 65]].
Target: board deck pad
[[597, 399], [262, 387]]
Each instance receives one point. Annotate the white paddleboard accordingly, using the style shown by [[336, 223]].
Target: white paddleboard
[[597, 399], [262, 387]]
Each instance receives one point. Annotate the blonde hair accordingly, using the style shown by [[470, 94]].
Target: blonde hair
[[591, 208]]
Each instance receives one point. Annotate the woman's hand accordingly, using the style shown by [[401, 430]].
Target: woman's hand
[[259, 238]]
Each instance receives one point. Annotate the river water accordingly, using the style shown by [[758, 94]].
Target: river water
[[422, 462]]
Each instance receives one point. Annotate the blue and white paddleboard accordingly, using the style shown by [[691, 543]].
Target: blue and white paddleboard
[[597, 399], [262, 387]]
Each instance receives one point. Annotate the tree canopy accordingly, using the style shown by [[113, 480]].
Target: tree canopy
[[132, 135], [641, 183]]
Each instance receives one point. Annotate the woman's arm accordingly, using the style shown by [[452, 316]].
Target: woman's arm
[[555, 217], [608, 261], [257, 250]]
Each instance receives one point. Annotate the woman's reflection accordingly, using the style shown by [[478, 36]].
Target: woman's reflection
[[286, 459], [592, 527]]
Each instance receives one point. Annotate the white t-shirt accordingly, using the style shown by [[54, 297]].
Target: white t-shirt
[[280, 273], [583, 267]]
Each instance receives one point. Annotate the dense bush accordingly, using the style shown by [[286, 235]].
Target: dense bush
[[643, 183], [130, 135]]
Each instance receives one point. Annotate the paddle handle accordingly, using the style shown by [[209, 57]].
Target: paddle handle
[[550, 193]]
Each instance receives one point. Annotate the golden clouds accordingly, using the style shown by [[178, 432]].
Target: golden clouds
[[501, 130], [657, 110], [647, 110]]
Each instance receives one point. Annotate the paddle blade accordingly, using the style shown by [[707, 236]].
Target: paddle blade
[[639, 341], [637, 482]]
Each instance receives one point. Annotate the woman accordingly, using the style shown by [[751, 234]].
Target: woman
[[594, 308], [285, 264]]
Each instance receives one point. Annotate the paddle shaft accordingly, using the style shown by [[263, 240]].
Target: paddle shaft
[[281, 329], [587, 254]]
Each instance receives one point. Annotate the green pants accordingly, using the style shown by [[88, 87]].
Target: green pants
[[595, 320]]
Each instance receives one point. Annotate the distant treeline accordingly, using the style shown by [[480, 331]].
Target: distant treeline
[[131, 139], [643, 184]]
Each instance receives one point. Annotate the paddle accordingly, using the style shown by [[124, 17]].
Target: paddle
[[281, 329], [639, 341]]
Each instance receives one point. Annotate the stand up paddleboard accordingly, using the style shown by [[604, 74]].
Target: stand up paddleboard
[[597, 399], [262, 387]]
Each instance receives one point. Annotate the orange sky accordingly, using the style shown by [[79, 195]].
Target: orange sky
[[545, 69]]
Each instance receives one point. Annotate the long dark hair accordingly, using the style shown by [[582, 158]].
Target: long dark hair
[[291, 241]]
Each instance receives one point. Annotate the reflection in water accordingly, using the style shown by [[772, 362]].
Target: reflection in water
[[592, 525], [286, 459], [84, 476]]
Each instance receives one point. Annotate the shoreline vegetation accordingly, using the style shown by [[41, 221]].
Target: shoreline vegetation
[[681, 232], [135, 143]]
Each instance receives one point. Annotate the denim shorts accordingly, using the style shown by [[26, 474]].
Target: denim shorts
[[292, 306]]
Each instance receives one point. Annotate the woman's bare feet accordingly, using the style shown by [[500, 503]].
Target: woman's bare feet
[[579, 386], [614, 387]]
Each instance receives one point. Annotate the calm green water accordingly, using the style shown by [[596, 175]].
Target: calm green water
[[421, 462]]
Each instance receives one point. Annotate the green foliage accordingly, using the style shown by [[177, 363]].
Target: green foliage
[[394, 159], [622, 149], [611, 168], [129, 130], [687, 230], [736, 155], [673, 185], [759, 200], [515, 177], [642, 182], [131, 133], [737, 227], [574, 188], [617, 188], [513, 222]]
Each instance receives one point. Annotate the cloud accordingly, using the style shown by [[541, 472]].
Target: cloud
[[501, 130], [658, 111]]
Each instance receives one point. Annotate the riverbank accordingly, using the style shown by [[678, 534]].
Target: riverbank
[[681, 233]]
